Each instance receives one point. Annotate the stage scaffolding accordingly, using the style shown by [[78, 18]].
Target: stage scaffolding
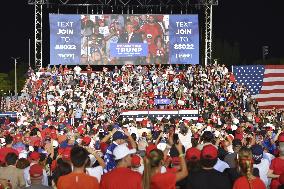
[[124, 7]]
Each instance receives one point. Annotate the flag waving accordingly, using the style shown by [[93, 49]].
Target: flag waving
[[265, 84]]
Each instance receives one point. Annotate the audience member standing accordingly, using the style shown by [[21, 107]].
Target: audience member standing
[[152, 176], [122, 176], [78, 178], [11, 173], [245, 164], [36, 174], [208, 177]]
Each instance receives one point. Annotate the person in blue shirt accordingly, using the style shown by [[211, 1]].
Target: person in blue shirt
[[269, 143], [117, 139]]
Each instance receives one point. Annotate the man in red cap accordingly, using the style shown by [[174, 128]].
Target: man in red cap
[[136, 164], [34, 158], [208, 177], [192, 154], [36, 176]]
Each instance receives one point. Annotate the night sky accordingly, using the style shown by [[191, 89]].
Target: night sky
[[251, 23]]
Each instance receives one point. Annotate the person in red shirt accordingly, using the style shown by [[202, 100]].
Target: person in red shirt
[[152, 29], [78, 178], [277, 165], [248, 181], [154, 179], [122, 176], [7, 149]]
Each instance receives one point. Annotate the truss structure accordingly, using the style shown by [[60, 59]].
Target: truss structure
[[129, 6], [208, 31]]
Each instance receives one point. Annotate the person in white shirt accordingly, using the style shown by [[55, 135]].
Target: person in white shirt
[[34, 156], [221, 165], [185, 137], [260, 163]]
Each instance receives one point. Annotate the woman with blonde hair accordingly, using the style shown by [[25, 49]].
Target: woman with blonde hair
[[152, 176], [245, 166]]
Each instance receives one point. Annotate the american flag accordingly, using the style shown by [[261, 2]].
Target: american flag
[[265, 84]]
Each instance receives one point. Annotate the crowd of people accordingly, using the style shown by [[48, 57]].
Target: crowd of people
[[69, 132]]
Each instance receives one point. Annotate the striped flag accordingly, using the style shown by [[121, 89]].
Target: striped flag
[[265, 84], [159, 114]]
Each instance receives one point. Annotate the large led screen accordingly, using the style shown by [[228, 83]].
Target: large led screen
[[123, 39]]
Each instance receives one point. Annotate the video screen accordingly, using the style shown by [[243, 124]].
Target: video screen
[[123, 39]]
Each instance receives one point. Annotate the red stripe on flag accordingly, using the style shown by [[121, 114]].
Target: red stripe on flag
[[272, 106], [273, 75], [270, 99], [272, 83], [272, 91], [274, 67]]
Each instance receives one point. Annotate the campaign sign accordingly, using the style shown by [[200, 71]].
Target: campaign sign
[[162, 101], [128, 49], [65, 39], [184, 39]]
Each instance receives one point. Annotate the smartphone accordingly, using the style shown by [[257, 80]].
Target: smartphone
[[175, 138]]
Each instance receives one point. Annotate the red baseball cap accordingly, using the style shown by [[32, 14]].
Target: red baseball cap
[[281, 137], [209, 152], [150, 148], [36, 171], [135, 160], [35, 156], [192, 154], [86, 140]]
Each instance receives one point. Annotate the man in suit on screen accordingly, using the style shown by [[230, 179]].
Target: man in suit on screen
[[130, 36]]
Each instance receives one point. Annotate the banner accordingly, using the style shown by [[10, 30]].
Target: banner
[[64, 39], [190, 114], [124, 39], [184, 39], [162, 101], [128, 50]]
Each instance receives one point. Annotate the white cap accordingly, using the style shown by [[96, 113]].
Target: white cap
[[162, 146], [121, 151], [31, 149], [199, 125], [23, 154]]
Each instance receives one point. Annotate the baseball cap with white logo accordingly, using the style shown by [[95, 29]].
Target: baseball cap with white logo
[[122, 151]]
